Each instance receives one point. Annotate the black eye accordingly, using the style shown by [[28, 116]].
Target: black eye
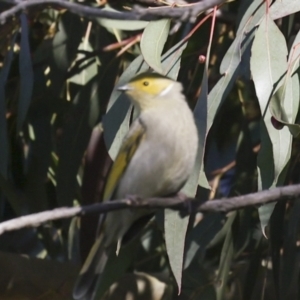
[[146, 83]]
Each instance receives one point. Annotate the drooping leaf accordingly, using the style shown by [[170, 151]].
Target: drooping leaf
[[234, 60], [285, 102], [288, 94], [171, 60], [3, 126], [63, 51], [175, 232], [225, 260], [153, 41], [201, 235], [76, 134], [268, 60], [268, 66], [26, 73]]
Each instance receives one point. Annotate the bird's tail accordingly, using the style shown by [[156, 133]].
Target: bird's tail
[[91, 271]]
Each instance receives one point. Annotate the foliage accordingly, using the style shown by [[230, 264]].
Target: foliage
[[62, 122]]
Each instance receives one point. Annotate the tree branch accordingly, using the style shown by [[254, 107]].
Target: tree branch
[[185, 205], [184, 13]]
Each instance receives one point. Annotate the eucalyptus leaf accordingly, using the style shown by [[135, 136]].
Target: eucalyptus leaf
[[284, 105], [153, 41], [175, 232], [88, 69], [121, 24], [76, 135], [280, 9], [3, 126], [268, 67], [225, 260], [26, 73], [268, 60], [64, 50]]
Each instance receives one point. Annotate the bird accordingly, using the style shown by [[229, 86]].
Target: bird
[[155, 159]]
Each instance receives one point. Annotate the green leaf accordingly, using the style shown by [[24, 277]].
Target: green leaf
[[225, 260], [283, 8], [26, 74], [153, 41], [121, 24], [268, 60], [88, 69], [3, 126], [175, 232], [76, 135], [268, 66], [285, 102], [64, 49], [235, 58], [201, 235], [288, 94], [171, 60]]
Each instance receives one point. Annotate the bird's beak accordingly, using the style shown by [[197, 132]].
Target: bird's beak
[[124, 88]]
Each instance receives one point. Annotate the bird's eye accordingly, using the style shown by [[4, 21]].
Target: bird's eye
[[146, 83]]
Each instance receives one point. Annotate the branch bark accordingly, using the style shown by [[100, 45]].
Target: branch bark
[[183, 13], [183, 204]]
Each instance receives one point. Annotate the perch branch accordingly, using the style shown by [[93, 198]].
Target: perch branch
[[185, 205], [187, 12]]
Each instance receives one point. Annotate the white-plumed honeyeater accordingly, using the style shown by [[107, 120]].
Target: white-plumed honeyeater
[[155, 160]]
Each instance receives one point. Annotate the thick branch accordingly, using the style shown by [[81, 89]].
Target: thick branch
[[186, 205], [184, 13]]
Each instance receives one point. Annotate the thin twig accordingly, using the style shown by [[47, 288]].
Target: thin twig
[[185, 205], [184, 13]]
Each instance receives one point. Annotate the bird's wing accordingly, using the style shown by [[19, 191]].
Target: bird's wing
[[97, 258], [130, 144]]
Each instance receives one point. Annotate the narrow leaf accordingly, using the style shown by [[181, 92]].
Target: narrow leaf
[[76, 135], [26, 74], [121, 24], [268, 66], [226, 257], [175, 232], [153, 41], [268, 60], [3, 126]]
